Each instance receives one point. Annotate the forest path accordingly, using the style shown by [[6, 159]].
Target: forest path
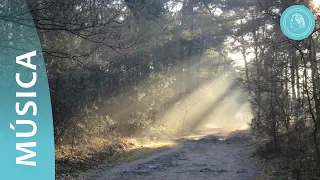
[[207, 158]]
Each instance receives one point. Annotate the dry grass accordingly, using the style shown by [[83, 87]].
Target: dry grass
[[103, 152], [270, 167]]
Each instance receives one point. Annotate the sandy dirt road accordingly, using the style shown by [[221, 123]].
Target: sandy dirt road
[[208, 158]]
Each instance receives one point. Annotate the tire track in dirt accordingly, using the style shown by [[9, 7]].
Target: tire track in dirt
[[208, 158]]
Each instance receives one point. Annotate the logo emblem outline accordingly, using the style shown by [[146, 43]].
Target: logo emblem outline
[[297, 22]]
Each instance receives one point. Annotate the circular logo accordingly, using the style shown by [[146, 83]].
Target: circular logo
[[297, 22]]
